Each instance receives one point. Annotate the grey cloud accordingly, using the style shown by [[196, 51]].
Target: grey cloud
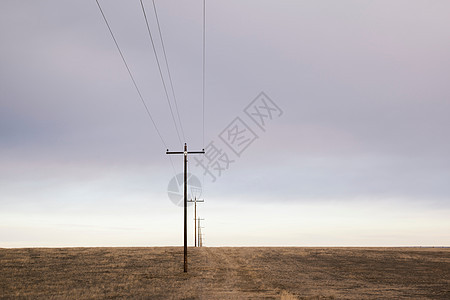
[[361, 83]]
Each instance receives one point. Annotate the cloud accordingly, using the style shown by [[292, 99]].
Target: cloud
[[363, 87]]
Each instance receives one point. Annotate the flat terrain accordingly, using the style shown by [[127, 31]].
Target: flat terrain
[[226, 273]]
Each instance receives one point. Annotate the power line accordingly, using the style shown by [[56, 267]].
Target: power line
[[131, 75], [203, 71], [168, 69], [160, 72], [203, 83], [135, 84]]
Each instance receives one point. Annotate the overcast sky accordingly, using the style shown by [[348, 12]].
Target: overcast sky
[[355, 150]]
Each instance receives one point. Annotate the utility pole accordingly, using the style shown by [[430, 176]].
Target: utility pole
[[195, 218], [185, 153], [201, 240], [200, 235]]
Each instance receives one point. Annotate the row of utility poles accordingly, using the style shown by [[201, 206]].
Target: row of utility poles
[[200, 238], [195, 222], [200, 235]]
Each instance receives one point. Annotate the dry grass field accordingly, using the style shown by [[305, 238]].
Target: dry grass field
[[226, 273]]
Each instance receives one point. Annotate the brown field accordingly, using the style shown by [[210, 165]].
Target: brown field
[[226, 273]]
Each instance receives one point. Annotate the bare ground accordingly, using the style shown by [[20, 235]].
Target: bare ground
[[225, 273]]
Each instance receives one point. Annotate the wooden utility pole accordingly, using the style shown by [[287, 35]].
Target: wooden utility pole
[[195, 217], [185, 153], [200, 235]]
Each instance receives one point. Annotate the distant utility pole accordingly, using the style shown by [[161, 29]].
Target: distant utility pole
[[195, 217], [200, 235], [185, 153], [201, 239]]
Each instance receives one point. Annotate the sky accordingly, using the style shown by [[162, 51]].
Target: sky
[[325, 123]]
